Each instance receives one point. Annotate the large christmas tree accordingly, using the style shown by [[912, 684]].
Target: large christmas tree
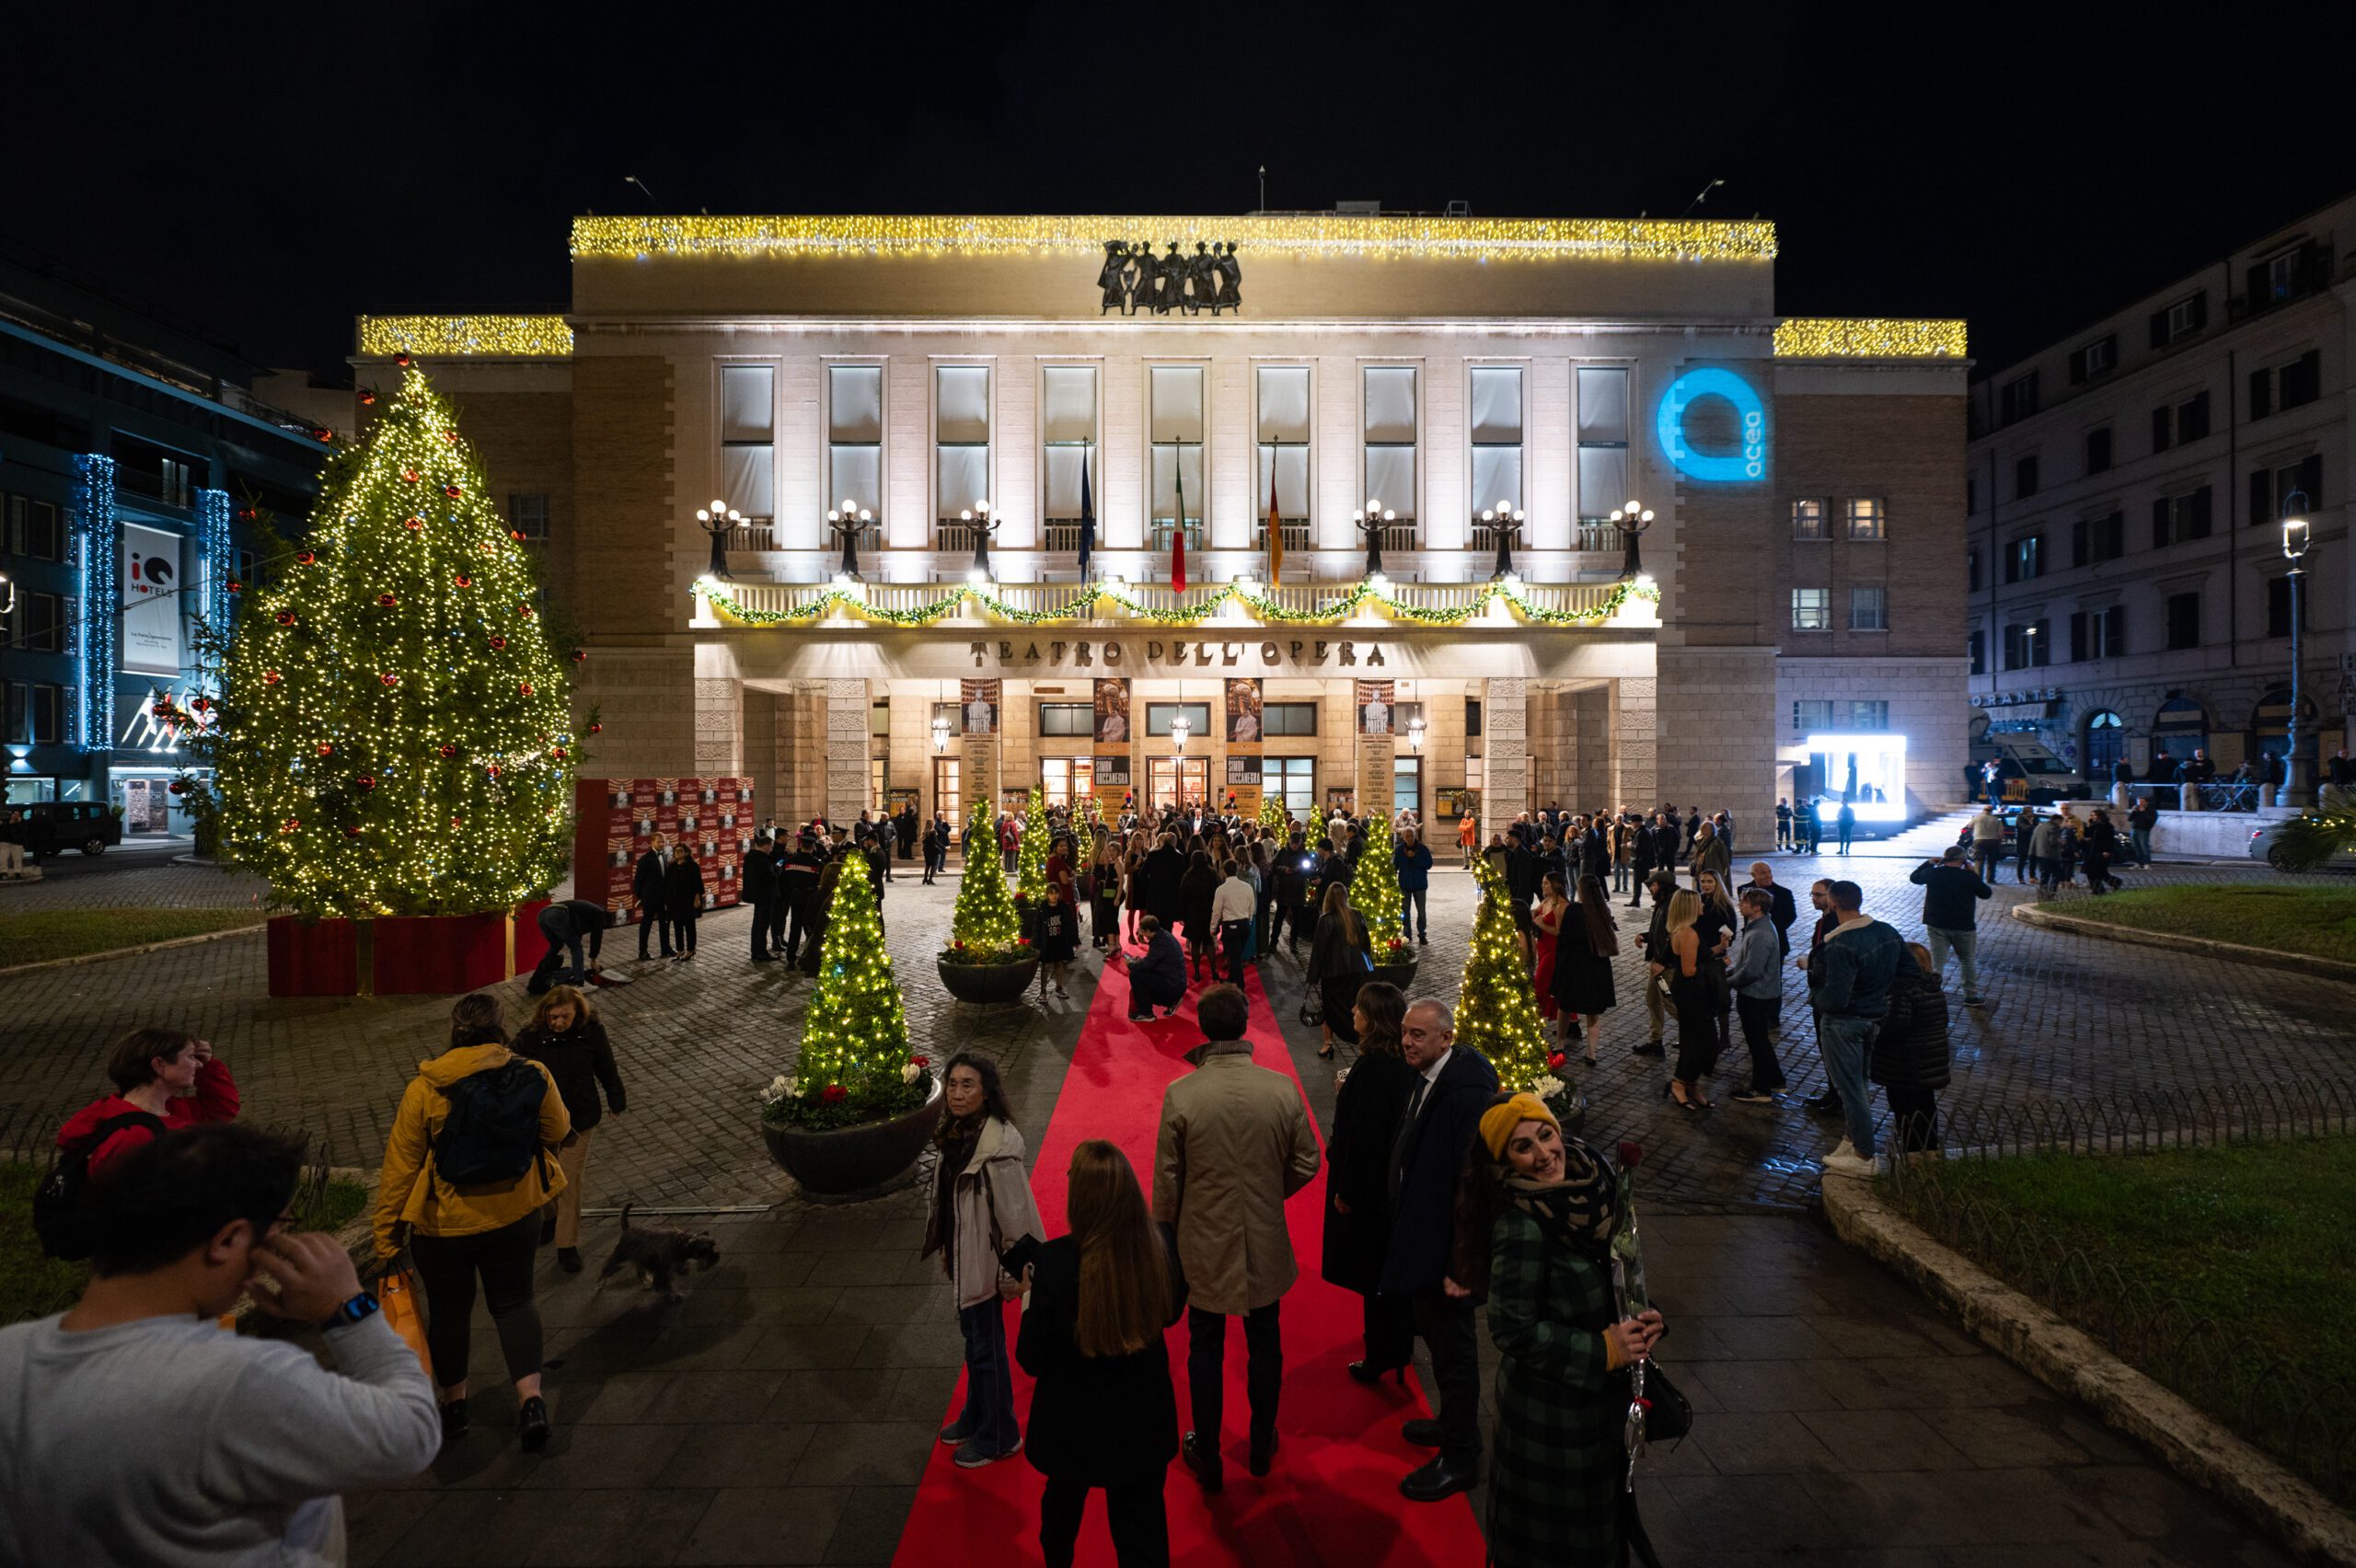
[[984, 928], [1031, 858], [1374, 894], [855, 1064], [1497, 1012], [395, 733]]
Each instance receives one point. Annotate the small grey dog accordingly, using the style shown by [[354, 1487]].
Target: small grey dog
[[660, 1254]]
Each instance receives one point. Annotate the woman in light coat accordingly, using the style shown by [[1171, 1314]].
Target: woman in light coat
[[981, 1208]]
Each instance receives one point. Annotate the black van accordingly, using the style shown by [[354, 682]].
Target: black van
[[52, 827]]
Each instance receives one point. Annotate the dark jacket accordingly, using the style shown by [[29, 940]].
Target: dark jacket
[[1857, 962], [1102, 1420], [1426, 1173], [1644, 853], [1910, 1051], [797, 877], [760, 876], [1366, 1110], [646, 882], [1161, 968], [1158, 879], [1196, 886], [682, 890], [1949, 894], [1415, 866], [579, 1060]]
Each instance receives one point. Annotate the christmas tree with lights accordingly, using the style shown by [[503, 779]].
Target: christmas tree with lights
[[855, 1064], [985, 928], [1374, 894], [1273, 818], [1031, 856], [395, 732], [1497, 1012]]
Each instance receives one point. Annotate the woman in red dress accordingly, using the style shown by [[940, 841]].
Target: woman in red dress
[[1552, 904]]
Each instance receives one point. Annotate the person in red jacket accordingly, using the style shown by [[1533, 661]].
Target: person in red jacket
[[164, 1073]]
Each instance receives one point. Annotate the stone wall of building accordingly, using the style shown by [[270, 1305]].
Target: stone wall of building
[[1714, 725], [1926, 705], [628, 578]]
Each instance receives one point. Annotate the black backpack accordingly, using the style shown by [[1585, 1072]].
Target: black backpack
[[64, 1217], [492, 1131]]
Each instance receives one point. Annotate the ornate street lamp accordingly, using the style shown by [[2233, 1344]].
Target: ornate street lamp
[[716, 520], [1505, 520], [850, 520], [984, 525], [1632, 520], [1370, 521], [2298, 537]]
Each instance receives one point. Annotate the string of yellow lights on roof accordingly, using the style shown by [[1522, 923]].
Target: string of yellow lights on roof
[[1868, 337], [1312, 234]]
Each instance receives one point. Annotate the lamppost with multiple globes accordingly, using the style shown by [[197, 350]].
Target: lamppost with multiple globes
[[1505, 520], [2298, 537], [848, 521], [716, 520], [1370, 520], [1632, 520], [979, 520]]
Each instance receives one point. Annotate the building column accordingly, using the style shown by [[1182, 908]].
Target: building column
[[847, 721], [1590, 721], [720, 726], [1505, 724], [1636, 750]]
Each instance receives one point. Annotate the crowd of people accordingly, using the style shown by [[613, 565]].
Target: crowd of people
[[1447, 1197]]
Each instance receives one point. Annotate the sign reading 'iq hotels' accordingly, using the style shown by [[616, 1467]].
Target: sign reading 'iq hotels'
[[1746, 460]]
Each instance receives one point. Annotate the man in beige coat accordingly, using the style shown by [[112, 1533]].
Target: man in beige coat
[[1235, 1142]]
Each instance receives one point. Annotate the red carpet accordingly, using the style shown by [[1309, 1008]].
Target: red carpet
[[1333, 1496]]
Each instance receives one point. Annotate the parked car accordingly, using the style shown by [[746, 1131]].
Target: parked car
[[2261, 848], [52, 827]]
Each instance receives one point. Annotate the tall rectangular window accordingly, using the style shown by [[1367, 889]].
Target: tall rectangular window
[[1603, 440], [1293, 781], [1869, 609], [1978, 649], [2025, 476], [1808, 519], [1282, 394], [2184, 620], [1067, 436], [1811, 609], [855, 436], [1175, 394], [2016, 399], [748, 438], [2270, 488], [961, 438], [2025, 558], [1868, 519], [1811, 716], [2176, 518], [34, 531], [1496, 436], [2098, 450], [1388, 428], [2029, 645]]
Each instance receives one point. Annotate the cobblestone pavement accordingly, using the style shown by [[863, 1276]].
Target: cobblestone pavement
[[2069, 1017]]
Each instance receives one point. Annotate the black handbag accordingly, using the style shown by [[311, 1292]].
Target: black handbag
[[1667, 1415]]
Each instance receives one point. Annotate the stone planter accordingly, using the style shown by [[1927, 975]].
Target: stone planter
[[989, 983], [839, 1162], [1400, 975]]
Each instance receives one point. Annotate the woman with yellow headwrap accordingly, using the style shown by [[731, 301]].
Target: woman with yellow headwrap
[[1548, 1206]]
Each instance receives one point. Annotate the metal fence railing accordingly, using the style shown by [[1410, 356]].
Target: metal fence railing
[[2303, 1418]]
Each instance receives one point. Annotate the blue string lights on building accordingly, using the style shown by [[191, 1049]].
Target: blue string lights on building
[[217, 556], [99, 537]]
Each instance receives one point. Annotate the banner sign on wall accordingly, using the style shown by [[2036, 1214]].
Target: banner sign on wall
[[617, 819], [980, 700], [1377, 702], [1112, 711], [151, 602]]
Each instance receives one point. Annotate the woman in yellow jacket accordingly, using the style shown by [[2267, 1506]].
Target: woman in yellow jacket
[[471, 1119]]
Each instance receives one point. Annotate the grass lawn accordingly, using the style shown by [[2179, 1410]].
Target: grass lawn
[[69, 933], [2318, 921], [33, 1286], [2255, 1238]]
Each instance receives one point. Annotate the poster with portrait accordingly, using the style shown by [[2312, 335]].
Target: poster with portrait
[[1112, 711], [1378, 707], [1244, 713], [979, 699]]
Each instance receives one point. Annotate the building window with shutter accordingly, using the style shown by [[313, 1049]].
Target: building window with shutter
[[961, 447], [1971, 571], [2025, 477], [1282, 394], [1388, 432], [2029, 645], [1497, 427], [2271, 488], [2177, 519], [747, 439], [1066, 437], [2184, 621], [2301, 381], [1603, 442], [1869, 609], [2192, 418], [2098, 451], [2016, 399], [2025, 558], [1175, 394], [2093, 359], [855, 437], [2179, 320], [1811, 609]]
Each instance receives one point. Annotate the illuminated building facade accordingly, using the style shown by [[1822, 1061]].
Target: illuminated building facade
[[1803, 481]]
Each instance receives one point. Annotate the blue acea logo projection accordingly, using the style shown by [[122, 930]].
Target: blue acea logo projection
[[1748, 461]]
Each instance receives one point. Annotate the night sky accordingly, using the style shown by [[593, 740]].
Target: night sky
[[266, 183]]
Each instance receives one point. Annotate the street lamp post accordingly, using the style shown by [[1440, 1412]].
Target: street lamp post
[[716, 520], [1370, 522], [1179, 730], [983, 526], [1632, 520], [1504, 520], [848, 521], [2298, 536]]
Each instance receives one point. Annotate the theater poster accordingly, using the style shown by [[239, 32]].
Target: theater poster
[[1111, 782], [1378, 707], [980, 698], [1113, 727]]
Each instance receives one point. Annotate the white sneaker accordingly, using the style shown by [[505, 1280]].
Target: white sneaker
[[1846, 1161]]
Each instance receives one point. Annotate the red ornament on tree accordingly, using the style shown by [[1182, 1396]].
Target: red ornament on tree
[[498, 642], [409, 475], [291, 825], [352, 832], [514, 534], [307, 558], [390, 678], [580, 655], [401, 360], [327, 748], [269, 678], [488, 549], [452, 492], [386, 600], [596, 729], [235, 586], [524, 610], [557, 754], [367, 397], [463, 581], [285, 617], [448, 750], [177, 788], [366, 781], [491, 769], [525, 686], [834, 1094]]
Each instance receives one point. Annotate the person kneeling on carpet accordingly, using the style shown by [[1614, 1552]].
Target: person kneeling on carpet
[[1158, 976], [981, 1209], [1102, 1414], [1235, 1142]]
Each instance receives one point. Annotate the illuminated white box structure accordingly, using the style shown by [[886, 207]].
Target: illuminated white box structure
[[1880, 761]]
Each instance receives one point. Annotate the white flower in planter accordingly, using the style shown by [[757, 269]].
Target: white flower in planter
[[780, 1088], [910, 1072], [1547, 1088]]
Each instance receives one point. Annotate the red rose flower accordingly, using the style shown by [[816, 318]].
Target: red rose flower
[[1554, 1060], [833, 1094], [1631, 1154], [922, 1061]]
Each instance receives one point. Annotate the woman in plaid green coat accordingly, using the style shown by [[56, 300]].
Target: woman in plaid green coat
[[1557, 1495]]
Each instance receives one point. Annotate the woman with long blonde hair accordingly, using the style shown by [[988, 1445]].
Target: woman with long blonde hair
[[1103, 1414], [1697, 985]]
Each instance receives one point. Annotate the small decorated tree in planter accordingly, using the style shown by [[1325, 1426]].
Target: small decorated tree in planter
[[1497, 1011], [1274, 818], [856, 1110], [1374, 894], [1031, 859], [987, 958]]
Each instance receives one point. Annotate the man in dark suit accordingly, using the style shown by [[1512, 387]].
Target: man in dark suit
[[760, 892], [797, 887], [646, 888], [1454, 1084]]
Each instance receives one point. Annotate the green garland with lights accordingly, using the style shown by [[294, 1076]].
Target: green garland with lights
[[394, 733], [1079, 608], [1374, 894], [985, 928], [1497, 1011]]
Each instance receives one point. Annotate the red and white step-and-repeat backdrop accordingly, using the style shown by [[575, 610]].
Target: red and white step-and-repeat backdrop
[[617, 819]]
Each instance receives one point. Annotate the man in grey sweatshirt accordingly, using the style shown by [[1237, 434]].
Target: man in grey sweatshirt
[[134, 1429]]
